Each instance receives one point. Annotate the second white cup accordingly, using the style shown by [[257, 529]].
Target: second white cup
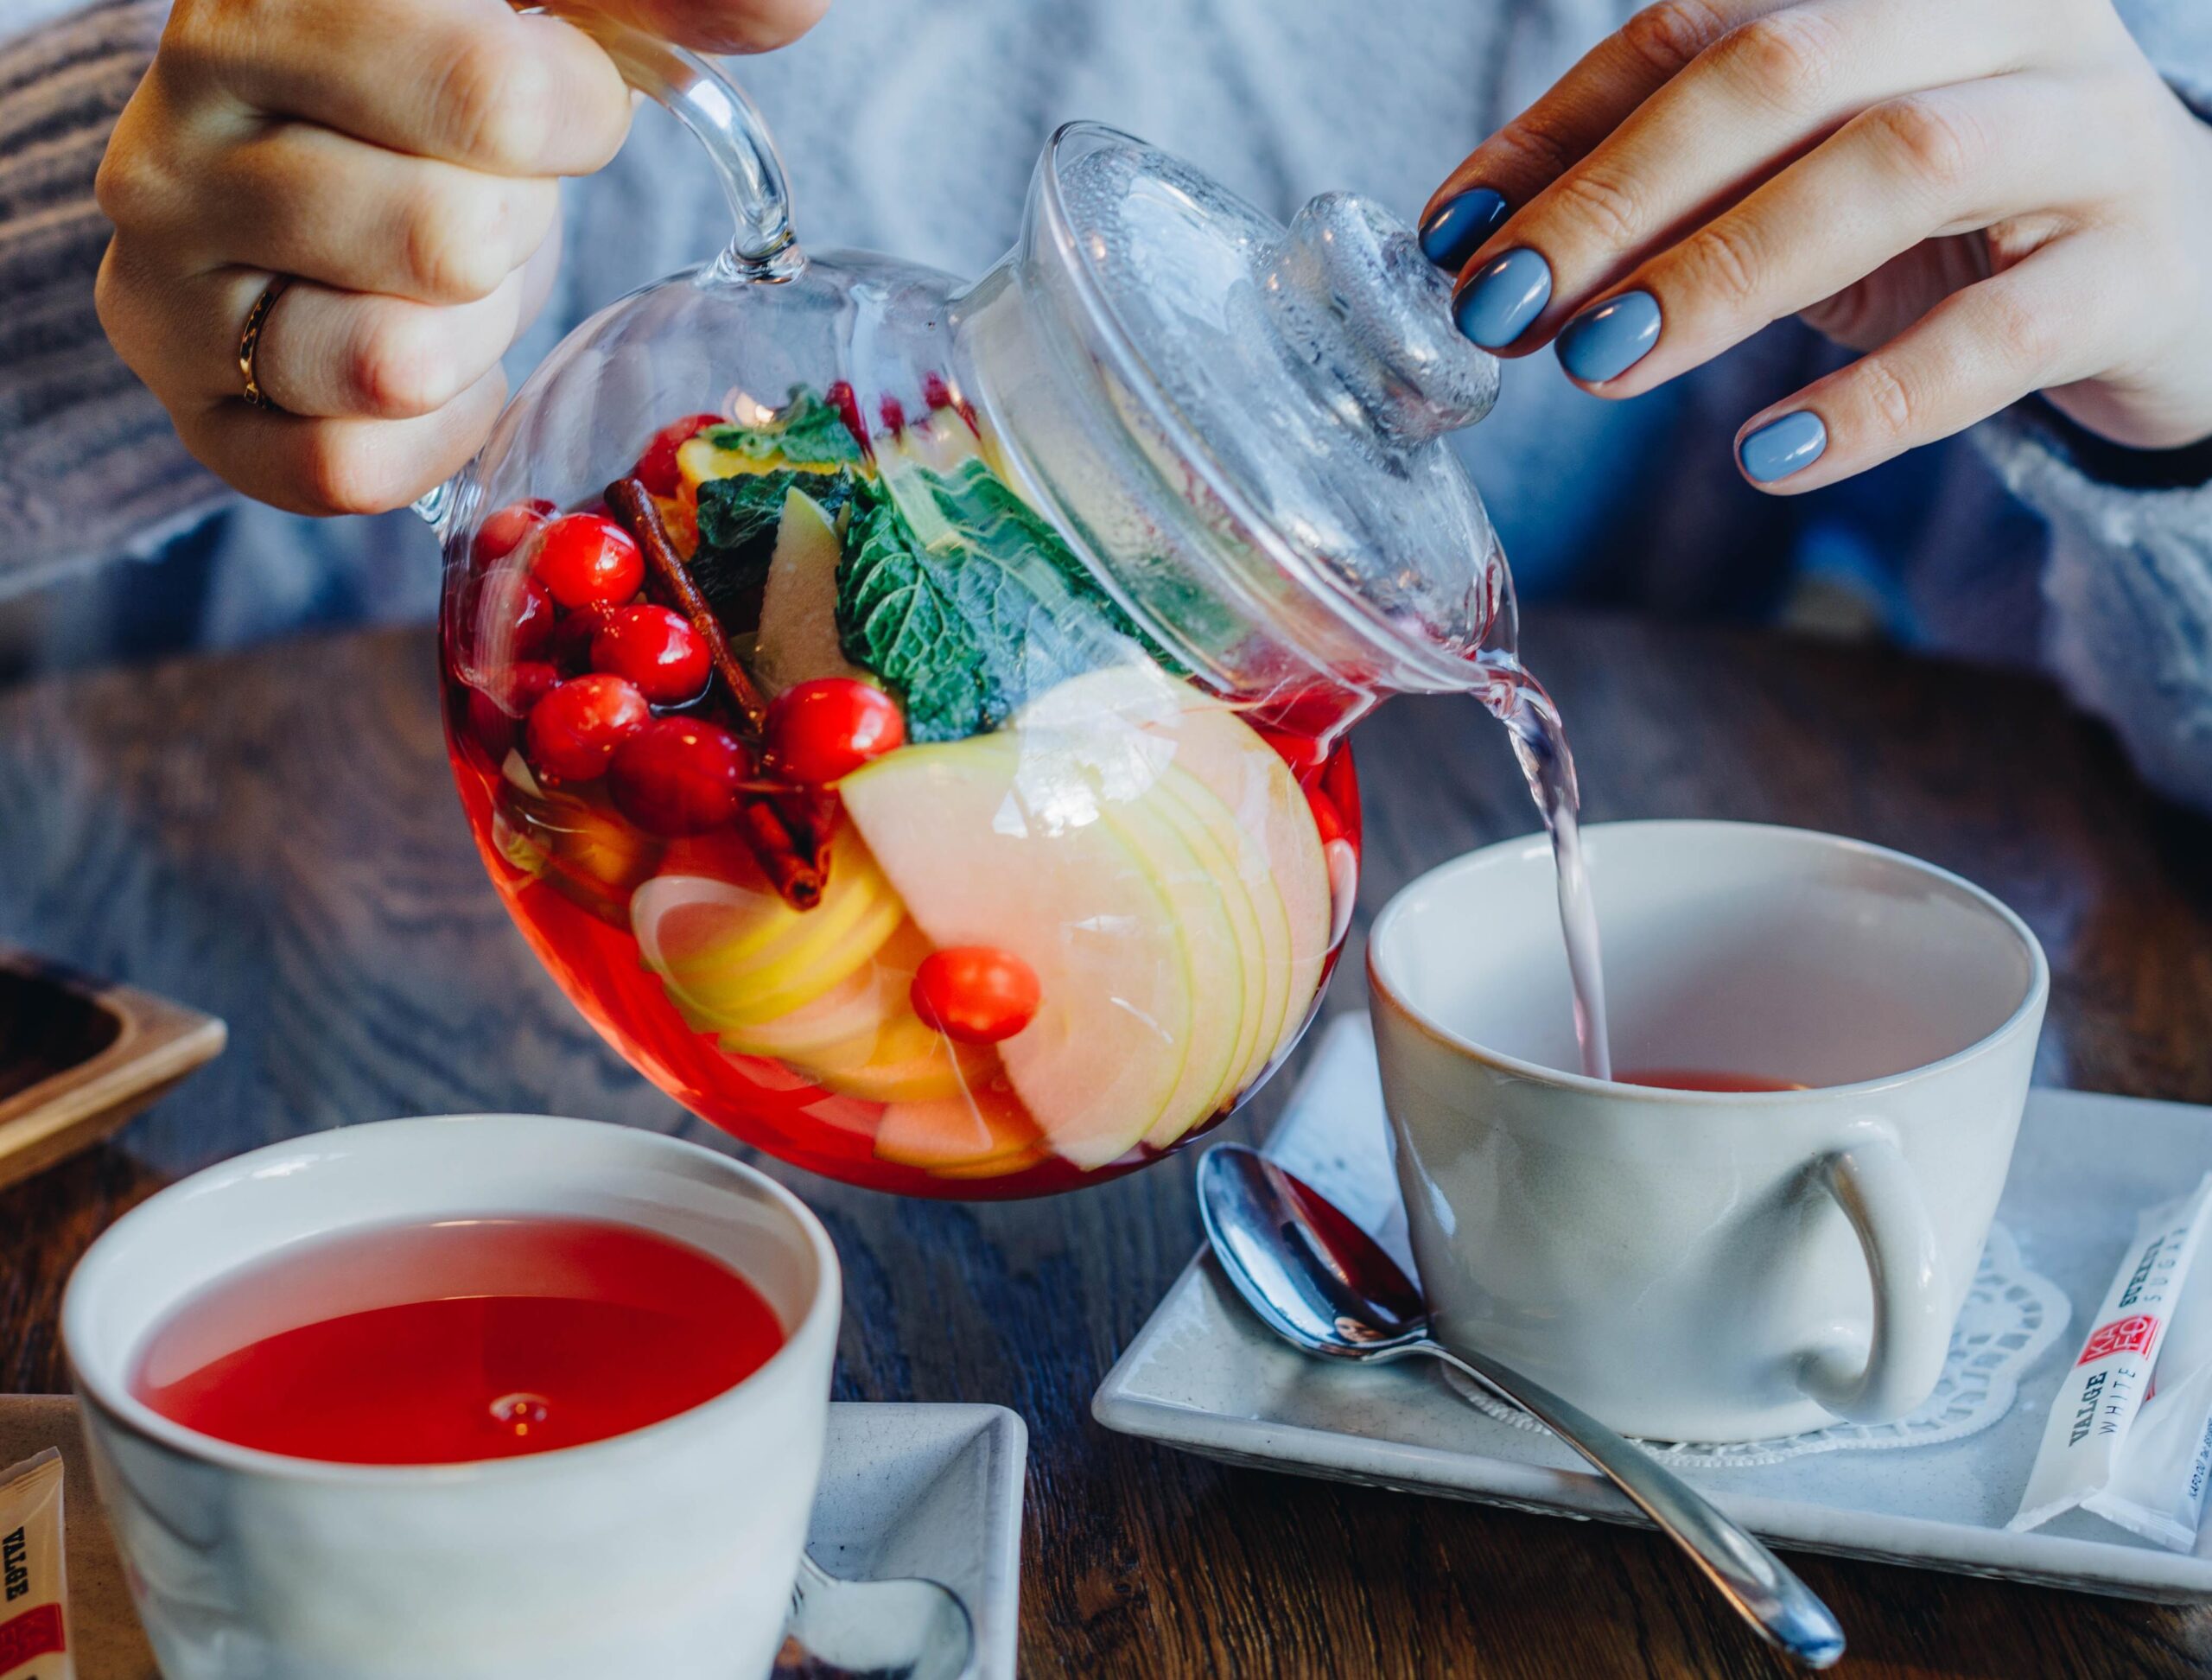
[[669, 1551], [1697, 1264]]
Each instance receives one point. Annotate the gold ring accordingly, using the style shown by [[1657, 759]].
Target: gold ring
[[249, 341]]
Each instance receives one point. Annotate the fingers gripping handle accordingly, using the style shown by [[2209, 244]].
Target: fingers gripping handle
[[1874, 1186], [720, 118], [737, 141]]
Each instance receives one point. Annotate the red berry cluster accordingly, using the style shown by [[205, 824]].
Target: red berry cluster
[[581, 661], [600, 685]]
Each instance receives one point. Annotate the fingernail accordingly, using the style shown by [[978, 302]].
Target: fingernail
[[1608, 338], [1782, 447], [1497, 303], [1457, 227]]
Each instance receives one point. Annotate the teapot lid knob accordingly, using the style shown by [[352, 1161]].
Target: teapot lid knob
[[1354, 298]]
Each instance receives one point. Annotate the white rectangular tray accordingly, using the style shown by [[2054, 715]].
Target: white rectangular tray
[[1203, 1376]]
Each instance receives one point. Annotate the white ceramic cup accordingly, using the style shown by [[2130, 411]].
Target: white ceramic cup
[[1707, 1266], [669, 1551]]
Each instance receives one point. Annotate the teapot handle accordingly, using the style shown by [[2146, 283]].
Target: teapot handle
[[721, 117], [724, 121]]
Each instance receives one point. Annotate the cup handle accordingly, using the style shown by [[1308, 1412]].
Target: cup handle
[[1871, 1182]]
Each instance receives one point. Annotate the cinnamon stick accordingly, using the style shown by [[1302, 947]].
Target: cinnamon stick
[[667, 578], [789, 836], [795, 870]]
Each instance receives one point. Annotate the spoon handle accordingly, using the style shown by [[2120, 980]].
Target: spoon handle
[[1762, 1588]]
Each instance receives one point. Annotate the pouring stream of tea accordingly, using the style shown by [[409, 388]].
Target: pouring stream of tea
[[1539, 738]]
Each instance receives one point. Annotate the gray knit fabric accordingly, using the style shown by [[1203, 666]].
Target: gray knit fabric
[[912, 127], [88, 462]]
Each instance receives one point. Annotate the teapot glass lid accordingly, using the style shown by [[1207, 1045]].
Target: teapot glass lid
[[1301, 379]]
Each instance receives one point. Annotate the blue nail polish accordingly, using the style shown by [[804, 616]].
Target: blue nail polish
[[1608, 338], [1496, 304], [1459, 226], [1781, 447]]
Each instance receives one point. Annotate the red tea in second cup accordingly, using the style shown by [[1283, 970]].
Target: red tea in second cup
[[455, 1340], [1703, 1079]]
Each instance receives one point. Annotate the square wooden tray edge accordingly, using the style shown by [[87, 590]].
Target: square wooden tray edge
[[157, 1042]]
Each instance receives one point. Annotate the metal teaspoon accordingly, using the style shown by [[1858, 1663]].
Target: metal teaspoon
[[908, 1627], [1322, 1284]]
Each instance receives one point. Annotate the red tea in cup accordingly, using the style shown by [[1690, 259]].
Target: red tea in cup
[[460, 1339], [1703, 1079]]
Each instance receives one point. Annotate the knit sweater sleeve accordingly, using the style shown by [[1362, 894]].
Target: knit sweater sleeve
[[2128, 583], [89, 464]]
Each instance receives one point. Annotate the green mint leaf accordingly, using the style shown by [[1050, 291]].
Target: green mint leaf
[[955, 593], [805, 430], [739, 518]]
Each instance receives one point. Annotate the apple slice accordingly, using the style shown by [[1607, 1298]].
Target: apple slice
[[1201, 734], [1000, 841], [799, 607], [574, 842], [976, 1130], [1198, 894], [734, 957], [910, 1061], [1254, 910]]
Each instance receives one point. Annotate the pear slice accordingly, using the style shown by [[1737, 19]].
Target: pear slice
[[798, 638], [1001, 840]]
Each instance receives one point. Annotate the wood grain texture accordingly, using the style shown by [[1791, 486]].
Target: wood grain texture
[[273, 838]]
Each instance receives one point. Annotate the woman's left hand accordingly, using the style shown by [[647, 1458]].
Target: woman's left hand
[[1991, 197]]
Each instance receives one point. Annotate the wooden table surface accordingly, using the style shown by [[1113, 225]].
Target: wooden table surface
[[272, 837]]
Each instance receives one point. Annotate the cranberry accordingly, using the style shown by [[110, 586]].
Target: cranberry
[[893, 415], [570, 646], [501, 532], [657, 650], [520, 686], [489, 725], [679, 776], [588, 560], [575, 729], [827, 728], [657, 469], [509, 694], [840, 396], [976, 994], [513, 618]]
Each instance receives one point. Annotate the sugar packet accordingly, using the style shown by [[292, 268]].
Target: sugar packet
[[34, 1612], [2157, 1489], [2098, 1402]]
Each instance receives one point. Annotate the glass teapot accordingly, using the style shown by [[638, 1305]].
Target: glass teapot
[[906, 716]]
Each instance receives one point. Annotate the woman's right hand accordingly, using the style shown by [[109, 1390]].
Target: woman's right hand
[[398, 164]]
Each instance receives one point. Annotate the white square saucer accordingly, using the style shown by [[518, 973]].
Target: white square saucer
[[1203, 1375]]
